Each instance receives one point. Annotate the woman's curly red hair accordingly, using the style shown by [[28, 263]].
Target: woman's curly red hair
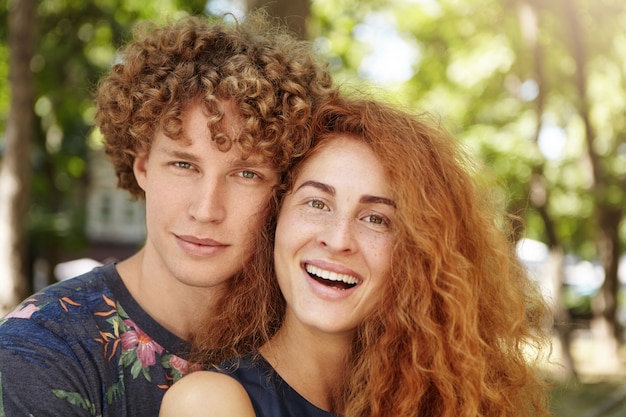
[[459, 315]]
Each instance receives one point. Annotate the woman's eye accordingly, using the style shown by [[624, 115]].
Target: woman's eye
[[317, 204], [374, 219]]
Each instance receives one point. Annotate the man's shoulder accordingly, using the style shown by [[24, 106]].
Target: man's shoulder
[[83, 295], [91, 281], [71, 349]]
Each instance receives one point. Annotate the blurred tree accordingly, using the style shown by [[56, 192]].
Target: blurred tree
[[15, 169], [538, 189], [607, 174]]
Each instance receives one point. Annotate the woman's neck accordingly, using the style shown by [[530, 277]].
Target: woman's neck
[[311, 363]]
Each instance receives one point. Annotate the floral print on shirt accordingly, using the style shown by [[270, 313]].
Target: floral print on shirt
[[86, 314]]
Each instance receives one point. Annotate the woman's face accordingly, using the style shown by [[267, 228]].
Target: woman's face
[[333, 238]]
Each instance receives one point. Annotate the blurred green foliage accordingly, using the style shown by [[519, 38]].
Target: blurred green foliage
[[474, 64], [469, 62]]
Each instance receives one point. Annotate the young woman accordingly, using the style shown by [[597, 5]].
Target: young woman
[[394, 292]]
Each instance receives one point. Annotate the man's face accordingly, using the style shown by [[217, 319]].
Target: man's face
[[203, 206]]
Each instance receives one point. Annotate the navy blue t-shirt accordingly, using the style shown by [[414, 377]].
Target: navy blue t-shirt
[[271, 396], [84, 347]]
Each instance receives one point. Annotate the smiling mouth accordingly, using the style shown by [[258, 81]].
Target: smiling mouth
[[330, 278]]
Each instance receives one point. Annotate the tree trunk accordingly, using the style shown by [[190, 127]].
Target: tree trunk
[[609, 248], [539, 194], [293, 13], [15, 170], [608, 217]]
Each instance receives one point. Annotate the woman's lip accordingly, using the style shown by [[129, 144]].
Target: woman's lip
[[336, 282], [327, 289], [332, 267]]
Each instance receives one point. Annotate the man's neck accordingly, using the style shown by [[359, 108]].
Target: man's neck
[[177, 307]]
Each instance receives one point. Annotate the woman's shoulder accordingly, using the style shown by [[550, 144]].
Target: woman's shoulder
[[204, 393]]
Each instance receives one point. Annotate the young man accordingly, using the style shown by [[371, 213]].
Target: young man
[[202, 120]]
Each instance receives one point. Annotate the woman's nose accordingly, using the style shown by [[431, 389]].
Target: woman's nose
[[338, 235]]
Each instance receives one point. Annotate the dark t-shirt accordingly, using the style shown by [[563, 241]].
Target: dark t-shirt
[[84, 347], [271, 396]]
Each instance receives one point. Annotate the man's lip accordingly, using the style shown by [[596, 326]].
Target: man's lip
[[200, 241]]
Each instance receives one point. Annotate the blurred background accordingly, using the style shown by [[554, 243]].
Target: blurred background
[[536, 89]]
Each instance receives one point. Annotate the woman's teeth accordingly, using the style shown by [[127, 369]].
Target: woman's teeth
[[331, 276]]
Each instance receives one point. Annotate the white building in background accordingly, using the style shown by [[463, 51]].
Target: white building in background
[[112, 215]]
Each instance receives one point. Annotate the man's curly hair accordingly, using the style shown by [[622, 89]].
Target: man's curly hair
[[273, 78]]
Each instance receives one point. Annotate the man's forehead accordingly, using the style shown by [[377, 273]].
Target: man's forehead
[[185, 146], [249, 159]]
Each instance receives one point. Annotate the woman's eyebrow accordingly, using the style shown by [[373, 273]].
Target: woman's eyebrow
[[366, 199], [328, 189], [372, 199]]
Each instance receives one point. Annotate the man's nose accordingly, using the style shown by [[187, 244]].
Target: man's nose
[[208, 204]]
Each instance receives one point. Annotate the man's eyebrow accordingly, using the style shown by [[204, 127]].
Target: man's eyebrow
[[235, 162], [366, 199], [187, 156], [251, 162]]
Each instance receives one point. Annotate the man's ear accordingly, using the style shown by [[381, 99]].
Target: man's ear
[[140, 168]]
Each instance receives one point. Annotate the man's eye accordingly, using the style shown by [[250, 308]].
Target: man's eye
[[183, 165], [318, 204], [248, 174]]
